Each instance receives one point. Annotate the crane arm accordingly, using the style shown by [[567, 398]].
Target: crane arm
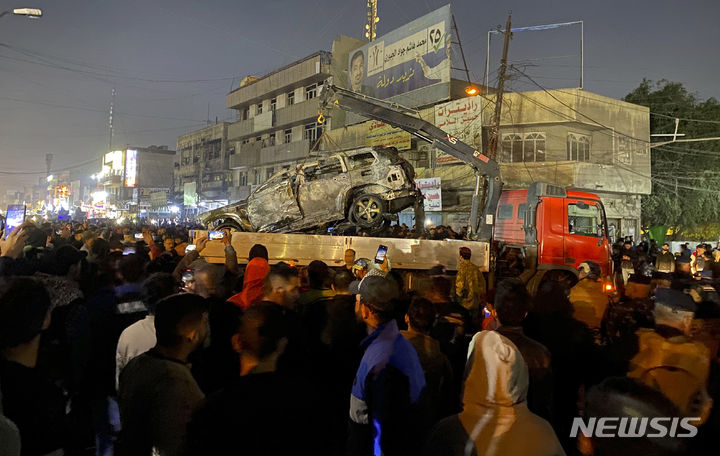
[[487, 170]]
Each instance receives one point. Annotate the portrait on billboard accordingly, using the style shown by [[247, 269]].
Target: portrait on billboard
[[413, 58]]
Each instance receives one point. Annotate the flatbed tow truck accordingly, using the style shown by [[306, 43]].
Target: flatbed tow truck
[[544, 231]]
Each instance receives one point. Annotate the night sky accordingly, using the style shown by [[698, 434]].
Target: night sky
[[171, 59]]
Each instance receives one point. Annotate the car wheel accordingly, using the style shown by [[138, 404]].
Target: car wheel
[[367, 211], [231, 224]]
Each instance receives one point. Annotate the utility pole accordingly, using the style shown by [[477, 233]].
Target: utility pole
[[495, 130], [372, 17]]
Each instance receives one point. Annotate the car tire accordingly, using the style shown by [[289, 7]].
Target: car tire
[[232, 225], [366, 211]]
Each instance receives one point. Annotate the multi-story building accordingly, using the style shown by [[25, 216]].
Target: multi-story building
[[130, 176], [203, 179], [277, 115]]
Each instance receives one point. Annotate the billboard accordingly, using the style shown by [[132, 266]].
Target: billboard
[[131, 168], [382, 134], [462, 119], [413, 59], [190, 196], [432, 192]]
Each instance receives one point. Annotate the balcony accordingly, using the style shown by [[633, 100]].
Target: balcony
[[240, 129], [296, 74], [297, 113], [284, 152], [247, 155]]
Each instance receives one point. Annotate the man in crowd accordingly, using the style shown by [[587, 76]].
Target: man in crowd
[[385, 397], [470, 284], [587, 296], [512, 303], [248, 415], [628, 399], [669, 360], [139, 337], [349, 260], [495, 417], [420, 319], [29, 399], [157, 392], [665, 261]]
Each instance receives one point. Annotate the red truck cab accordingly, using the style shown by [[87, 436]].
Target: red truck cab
[[546, 232]]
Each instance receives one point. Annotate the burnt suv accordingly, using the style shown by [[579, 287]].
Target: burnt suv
[[362, 186]]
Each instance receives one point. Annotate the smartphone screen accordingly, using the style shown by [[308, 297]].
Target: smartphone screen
[[128, 250], [139, 236], [380, 255], [190, 248], [215, 235], [14, 217]]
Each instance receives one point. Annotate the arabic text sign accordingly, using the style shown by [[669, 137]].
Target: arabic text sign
[[412, 57], [382, 134], [430, 188], [462, 119]]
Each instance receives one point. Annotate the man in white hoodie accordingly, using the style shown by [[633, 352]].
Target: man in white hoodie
[[495, 419]]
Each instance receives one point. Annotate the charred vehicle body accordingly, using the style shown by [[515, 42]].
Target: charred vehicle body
[[363, 187]]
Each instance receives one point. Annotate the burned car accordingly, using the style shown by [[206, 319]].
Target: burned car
[[361, 186]]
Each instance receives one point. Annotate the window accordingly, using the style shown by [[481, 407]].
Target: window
[[269, 172], [258, 138], [311, 91], [529, 147], [246, 113], [360, 160], [243, 178], [512, 148], [273, 104], [291, 98], [584, 219], [246, 141], [534, 147], [521, 211], [311, 132], [505, 212], [288, 136], [271, 139], [578, 147], [259, 108]]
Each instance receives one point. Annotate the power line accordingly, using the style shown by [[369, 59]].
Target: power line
[[67, 168]]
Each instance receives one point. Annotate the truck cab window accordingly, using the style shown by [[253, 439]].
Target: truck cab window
[[584, 219]]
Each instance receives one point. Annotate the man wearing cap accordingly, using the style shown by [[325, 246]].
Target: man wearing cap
[[665, 261], [587, 297], [469, 282], [385, 415], [669, 360], [359, 271]]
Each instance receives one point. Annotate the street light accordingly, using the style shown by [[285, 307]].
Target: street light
[[32, 13], [471, 90]]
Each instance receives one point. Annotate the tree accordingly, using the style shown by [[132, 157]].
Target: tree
[[685, 176]]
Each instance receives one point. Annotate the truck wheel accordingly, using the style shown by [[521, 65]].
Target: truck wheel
[[366, 211]]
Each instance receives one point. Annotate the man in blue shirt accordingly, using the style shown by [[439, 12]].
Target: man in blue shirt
[[385, 406]]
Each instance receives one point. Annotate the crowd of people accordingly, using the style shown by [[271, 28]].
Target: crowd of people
[[122, 340]]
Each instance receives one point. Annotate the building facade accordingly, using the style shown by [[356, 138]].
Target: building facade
[[202, 168], [277, 116], [131, 178]]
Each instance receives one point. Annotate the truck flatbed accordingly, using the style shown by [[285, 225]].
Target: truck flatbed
[[301, 249]]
